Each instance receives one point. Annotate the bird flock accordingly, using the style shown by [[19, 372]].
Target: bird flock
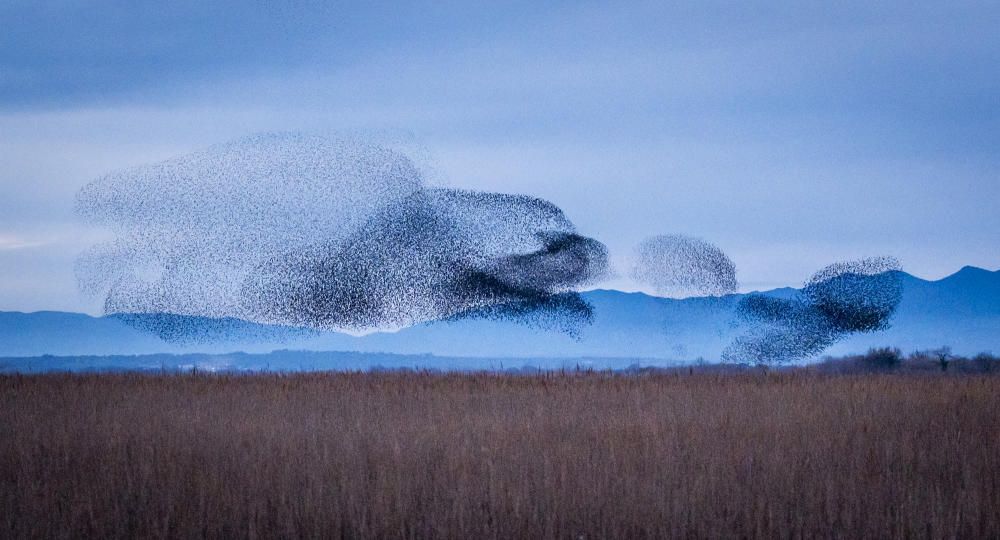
[[333, 233]]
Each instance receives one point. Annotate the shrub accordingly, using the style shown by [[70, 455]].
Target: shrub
[[986, 362], [882, 358]]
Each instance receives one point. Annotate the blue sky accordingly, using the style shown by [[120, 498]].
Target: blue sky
[[791, 134]]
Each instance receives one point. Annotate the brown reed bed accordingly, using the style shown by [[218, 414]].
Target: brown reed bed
[[572, 455]]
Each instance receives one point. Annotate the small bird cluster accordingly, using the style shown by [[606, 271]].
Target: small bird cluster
[[676, 265], [839, 300]]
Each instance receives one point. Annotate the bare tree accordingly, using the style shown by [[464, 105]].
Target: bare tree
[[943, 356]]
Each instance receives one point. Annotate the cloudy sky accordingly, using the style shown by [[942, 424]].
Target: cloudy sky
[[791, 134]]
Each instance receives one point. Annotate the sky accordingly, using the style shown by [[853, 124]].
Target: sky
[[790, 134]]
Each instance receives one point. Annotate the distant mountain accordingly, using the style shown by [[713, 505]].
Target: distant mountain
[[962, 310]]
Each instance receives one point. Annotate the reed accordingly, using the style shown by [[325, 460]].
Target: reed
[[556, 455]]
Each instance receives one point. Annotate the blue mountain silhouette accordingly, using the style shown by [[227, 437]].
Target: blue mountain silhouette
[[961, 310]]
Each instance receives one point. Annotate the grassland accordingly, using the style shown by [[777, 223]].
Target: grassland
[[411, 455]]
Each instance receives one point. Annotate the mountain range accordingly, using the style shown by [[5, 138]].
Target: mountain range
[[961, 310]]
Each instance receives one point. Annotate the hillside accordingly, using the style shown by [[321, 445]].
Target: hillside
[[961, 310]]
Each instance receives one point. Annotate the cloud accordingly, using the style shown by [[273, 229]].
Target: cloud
[[11, 242], [870, 127]]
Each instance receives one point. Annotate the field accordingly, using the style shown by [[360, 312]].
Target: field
[[560, 455]]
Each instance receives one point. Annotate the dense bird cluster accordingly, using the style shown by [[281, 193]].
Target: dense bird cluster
[[342, 234], [322, 233], [677, 265], [839, 300]]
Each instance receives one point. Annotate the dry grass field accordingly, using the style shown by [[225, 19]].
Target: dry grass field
[[409, 455]]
